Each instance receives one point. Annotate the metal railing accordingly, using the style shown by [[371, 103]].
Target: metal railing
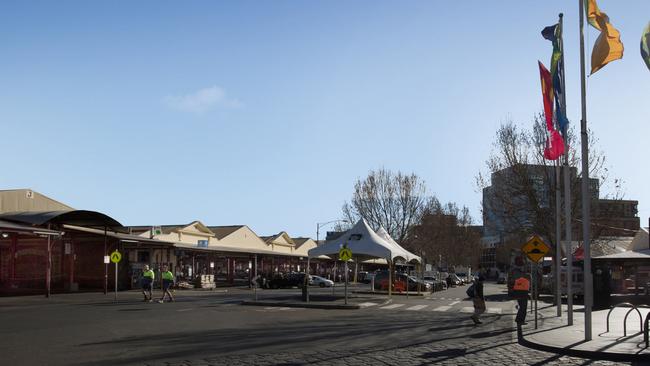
[[632, 307]]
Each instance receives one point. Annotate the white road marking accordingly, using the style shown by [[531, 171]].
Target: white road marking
[[276, 308], [494, 310], [185, 309], [417, 307], [453, 303], [442, 308], [393, 306], [467, 309], [367, 304]]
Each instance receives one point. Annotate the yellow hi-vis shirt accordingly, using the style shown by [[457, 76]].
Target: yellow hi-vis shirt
[[168, 275], [149, 274]]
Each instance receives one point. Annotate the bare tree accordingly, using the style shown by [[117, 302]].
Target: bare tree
[[446, 236], [393, 200], [519, 189]]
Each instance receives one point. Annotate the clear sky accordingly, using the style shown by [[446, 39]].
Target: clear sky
[[265, 112]]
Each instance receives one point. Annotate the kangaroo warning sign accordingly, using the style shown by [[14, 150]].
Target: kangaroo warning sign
[[535, 248]]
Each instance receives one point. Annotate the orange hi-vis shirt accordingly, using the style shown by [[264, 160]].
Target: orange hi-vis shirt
[[521, 284]]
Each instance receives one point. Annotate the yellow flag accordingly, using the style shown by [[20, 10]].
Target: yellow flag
[[608, 46]]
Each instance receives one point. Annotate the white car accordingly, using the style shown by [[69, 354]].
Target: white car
[[320, 281]]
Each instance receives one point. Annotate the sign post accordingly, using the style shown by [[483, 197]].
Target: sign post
[[116, 257], [535, 249], [345, 254]]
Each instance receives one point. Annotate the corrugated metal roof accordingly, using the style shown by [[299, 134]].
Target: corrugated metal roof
[[73, 217], [6, 226]]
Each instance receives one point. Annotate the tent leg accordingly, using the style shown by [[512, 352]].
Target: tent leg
[[390, 279], [307, 281]]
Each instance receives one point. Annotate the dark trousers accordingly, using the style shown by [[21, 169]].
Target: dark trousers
[[521, 313]]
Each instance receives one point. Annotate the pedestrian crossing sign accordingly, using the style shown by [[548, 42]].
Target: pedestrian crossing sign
[[116, 257], [345, 254], [535, 248]]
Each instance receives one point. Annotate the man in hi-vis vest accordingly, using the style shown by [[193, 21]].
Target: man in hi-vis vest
[[520, 292]]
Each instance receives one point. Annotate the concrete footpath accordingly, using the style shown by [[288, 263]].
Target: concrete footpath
[[554, 335]]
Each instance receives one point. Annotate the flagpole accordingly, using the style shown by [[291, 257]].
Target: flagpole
[[567, 194], [586, 196], [558, 238]]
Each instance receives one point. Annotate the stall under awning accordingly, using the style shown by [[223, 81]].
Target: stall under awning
[[125, 238], [228, 249], [11, 227]]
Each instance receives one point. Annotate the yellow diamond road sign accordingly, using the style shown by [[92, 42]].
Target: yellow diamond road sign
[[116, 257], [345, 254], [535, 248]]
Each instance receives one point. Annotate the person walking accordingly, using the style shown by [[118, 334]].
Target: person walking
[[478, 299], [520, 291], [167, 282], [148, 277]]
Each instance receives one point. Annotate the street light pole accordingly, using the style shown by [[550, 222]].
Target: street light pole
[[320, 225]]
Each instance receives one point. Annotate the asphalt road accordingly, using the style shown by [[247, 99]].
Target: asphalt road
[[208, 328]]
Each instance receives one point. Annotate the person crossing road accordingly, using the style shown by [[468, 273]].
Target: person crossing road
[[478, 299], [520, 291], [148, 277], [167, 282]]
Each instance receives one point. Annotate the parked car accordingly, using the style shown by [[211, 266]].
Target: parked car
[[454, 280], [289, 280], [400, 283], [436, 284], [463, 277], [369, 277], [320, 281]]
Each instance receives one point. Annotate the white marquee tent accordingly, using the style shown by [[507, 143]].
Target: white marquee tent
[[404, 254], [364, 244]]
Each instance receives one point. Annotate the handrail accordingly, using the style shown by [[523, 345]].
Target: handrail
[[625, 321], [625, 304]]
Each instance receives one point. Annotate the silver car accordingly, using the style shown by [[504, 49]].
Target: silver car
[[320, 281]]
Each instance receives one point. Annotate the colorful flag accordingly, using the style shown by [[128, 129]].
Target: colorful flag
[[554, 34], [645, 45], [608, 46], [547, 95], [554, 146]]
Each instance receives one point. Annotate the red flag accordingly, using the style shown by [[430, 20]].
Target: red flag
[[554, 146], [547, 94]]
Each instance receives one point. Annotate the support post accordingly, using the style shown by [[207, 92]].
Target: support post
[[390, 278], [346, 282], [105, 264], [307, 273], [48, 267]]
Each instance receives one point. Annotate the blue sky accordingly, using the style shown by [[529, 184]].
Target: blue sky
[[266, 112]]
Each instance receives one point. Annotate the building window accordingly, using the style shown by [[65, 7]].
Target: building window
[[143, 256]]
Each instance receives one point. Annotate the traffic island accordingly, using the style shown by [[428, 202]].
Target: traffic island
[[617, 343]]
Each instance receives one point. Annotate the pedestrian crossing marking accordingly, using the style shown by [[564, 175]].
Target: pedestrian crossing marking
[[453, 303], [393, 306], [467, 309], [442, 308], [367, 304], [417, 307], [494, 310], [277, 308]]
